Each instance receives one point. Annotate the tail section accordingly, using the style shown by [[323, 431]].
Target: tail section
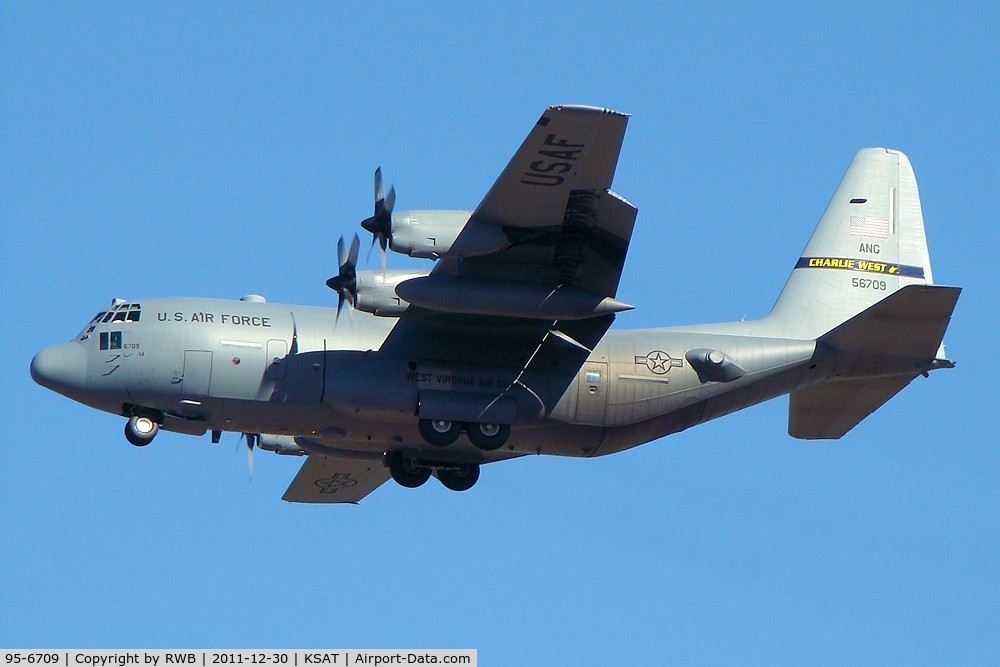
[[869, 244], [863, 289]]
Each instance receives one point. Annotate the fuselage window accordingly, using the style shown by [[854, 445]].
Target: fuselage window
[[110, 340]]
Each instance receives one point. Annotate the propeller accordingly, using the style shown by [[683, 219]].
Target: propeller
[[345, 283], [251, 439], [380, 224]]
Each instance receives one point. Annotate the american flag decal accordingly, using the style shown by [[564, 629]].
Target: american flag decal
[[862, 225]]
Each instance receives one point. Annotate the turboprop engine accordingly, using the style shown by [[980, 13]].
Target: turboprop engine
[[377, 291], [428, 234], [280, 444]]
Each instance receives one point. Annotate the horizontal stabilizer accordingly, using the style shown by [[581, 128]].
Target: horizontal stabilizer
[[323, 479], [830, 409], [907, 325], [871, 358]]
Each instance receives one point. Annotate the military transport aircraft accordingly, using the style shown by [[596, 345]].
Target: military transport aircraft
[[505, 340]]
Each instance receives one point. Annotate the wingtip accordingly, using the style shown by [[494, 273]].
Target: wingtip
[[584, 108]]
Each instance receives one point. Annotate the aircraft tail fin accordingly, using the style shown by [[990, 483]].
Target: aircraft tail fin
[[869, 244], [872, 357]]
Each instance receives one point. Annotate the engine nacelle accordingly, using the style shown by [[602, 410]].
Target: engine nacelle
[[377, 291], [432, 234], [280, 444]]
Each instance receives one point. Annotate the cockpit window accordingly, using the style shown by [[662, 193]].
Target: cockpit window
[[120, 312], [123, 312]]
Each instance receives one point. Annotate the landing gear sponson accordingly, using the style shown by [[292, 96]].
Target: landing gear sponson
[[442, 432]]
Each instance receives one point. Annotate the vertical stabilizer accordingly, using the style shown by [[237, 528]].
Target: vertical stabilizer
[[869, 243]]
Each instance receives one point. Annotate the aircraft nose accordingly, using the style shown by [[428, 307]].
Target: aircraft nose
[[60, 368]]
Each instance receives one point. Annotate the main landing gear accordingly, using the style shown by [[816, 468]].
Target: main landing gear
[[140, 430], [412, 473], [408, 472], [441, 433]]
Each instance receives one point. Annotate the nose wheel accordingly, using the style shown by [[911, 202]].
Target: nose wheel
[[140, 430]]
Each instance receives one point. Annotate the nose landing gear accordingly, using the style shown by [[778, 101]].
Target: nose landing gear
[[140, 430]]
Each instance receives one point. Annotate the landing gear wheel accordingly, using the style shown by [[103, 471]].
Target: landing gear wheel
[[439, 432], [460, 478], [141, 430], [488, 436], [406, 473]]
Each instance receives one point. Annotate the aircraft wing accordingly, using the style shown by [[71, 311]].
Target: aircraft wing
[[554, 204], [324, 479], [565, 228], [570, 148]]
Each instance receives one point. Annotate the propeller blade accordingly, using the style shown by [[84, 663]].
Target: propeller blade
[[379, 192], [390, 201], [341, 254], [352, 257], [251, 440]]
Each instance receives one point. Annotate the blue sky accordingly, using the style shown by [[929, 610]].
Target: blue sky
[[175, 149]]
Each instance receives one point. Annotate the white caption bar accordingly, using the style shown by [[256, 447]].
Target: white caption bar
[[236, 657]]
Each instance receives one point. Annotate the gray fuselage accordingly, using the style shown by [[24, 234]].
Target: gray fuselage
[[268, 368]]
